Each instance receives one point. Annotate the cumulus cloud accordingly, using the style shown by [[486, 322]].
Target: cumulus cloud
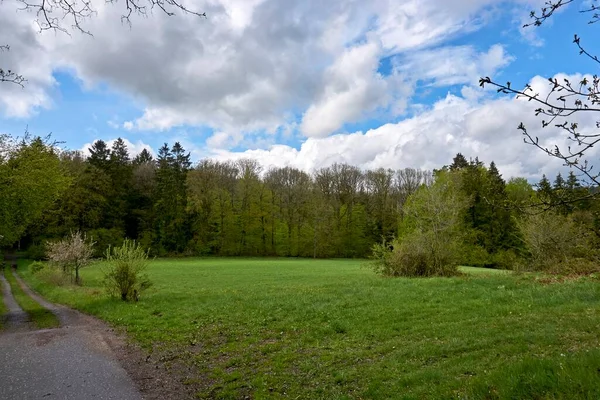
[[476, 126], [255, 68], [28, 58], [453, 65], [352, 87], [251, 66]]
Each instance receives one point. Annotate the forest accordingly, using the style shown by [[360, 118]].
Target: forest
[[172, 207]]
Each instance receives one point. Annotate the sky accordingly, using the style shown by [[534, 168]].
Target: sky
[[384, 83]]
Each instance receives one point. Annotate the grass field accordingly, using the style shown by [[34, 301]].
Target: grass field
[[331, 329], [41, 317]]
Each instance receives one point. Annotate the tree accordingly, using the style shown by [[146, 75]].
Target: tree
[[170, 202], [431, 237], [55, 14], [143, 157], [564, 101], [31, 180], [71, 253], [99, 154]]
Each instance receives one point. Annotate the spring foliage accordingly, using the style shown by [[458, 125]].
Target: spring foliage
[[431, 232], [71, 254], [125, 275]]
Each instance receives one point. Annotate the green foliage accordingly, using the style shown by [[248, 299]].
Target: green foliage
[[53, 276], [331, 329], [125, 275], [31, 179], [105, 238], [235, 208], [431, 239], [36, 266], [557, 243], [36, 252]]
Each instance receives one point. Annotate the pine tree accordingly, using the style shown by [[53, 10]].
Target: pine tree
[[99, 154], [143, 157], [459, 162], [119, 153], [544, 189], [559, 182]]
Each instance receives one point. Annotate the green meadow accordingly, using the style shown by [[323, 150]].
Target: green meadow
[[332, 329]]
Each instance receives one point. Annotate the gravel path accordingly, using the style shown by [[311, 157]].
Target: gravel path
[[75, 361], [16, 319]]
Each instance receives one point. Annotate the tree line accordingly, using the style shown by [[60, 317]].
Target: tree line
[[226, 208]]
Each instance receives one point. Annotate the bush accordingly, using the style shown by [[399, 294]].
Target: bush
[[52, 275], [432, 239], [506, 259], [36, 252], [414, 257], [559, 244], [36, 267], [125, 275]]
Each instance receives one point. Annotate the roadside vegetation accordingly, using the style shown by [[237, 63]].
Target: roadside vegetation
[[3, 309], [333, 329], [40, 316]]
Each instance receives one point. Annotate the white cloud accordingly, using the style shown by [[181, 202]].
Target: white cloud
[[27, 58], [477, 126], [453, 65], [352, 87], [251, 66]]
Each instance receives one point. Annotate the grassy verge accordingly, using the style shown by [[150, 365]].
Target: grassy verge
[[41, 317], [331, 329], [3, 309]]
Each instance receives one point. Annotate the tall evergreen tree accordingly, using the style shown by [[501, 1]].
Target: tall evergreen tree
[[143, 157], [99, 154], [459, 162]]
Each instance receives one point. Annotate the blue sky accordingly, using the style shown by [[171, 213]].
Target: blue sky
[[392, 84]]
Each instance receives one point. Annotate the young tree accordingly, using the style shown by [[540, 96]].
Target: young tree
[[431, 236], [71, 253]]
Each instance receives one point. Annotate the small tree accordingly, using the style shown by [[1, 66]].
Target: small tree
[[71, 254], [125, 275], [431, 237]]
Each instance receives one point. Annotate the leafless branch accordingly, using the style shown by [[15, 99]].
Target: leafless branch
[[66, 15], [9, 75]]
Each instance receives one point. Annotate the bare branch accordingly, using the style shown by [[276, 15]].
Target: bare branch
[[9, 75], [66, 15]]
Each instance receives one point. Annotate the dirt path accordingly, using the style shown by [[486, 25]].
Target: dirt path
[[16, 319], [83, 359], [75, 361]]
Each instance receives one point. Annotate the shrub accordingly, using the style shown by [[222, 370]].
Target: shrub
[[52, 275], [432, 239], [36, 267], [558, 244], [125, 276], [36, 252]]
